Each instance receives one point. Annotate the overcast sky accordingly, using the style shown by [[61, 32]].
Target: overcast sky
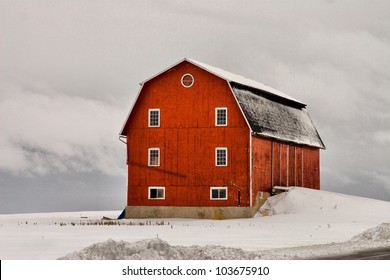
[[70, 71]]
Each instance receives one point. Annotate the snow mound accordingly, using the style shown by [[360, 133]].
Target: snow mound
[[380, 233], [304, 201], [301, 223], [156, 249]]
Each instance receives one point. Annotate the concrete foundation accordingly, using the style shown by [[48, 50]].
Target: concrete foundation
[[215, 213]]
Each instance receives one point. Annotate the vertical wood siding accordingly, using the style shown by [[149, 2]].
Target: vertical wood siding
[[187, 138], [283, 164]]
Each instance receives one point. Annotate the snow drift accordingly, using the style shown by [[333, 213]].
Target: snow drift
[[298, 206], [302, 223], [380, 233], [338, 207], [157, 249]]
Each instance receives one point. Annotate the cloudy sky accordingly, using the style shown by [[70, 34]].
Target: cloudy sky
[[70, 70]]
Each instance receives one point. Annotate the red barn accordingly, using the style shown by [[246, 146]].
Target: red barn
[[205, 143]]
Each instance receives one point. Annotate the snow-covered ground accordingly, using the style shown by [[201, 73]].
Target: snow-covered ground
[[302, 223]]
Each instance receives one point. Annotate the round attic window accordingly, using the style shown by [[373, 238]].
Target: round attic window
[[187, 80]]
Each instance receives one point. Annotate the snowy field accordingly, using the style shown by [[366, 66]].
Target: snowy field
[[302, 223]]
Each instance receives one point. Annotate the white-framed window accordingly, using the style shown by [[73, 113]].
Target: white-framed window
[[154, 118], [218, 193], [221, 156], [156, 192], [154, 157], [221, 115], [187, 80]]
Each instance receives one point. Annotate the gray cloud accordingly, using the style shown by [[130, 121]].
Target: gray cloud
[[45, 132], [70, 70]]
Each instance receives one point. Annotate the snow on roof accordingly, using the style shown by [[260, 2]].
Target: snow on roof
[[241, 80], [267, 116], [277, 120], [230, 77]]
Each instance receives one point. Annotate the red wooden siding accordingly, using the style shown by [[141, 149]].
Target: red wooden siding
[[291, 166], [187, 139], [311, 168], [283, 164], [262, 177]]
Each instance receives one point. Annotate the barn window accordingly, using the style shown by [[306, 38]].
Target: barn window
[[218, 193], [221, 156], [156, 193], [154, 157], [154, 117], [187, 80], [221, 116]]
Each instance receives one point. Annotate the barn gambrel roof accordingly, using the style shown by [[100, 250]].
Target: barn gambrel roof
[[230, 77], [269, 112], [279, 120]]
